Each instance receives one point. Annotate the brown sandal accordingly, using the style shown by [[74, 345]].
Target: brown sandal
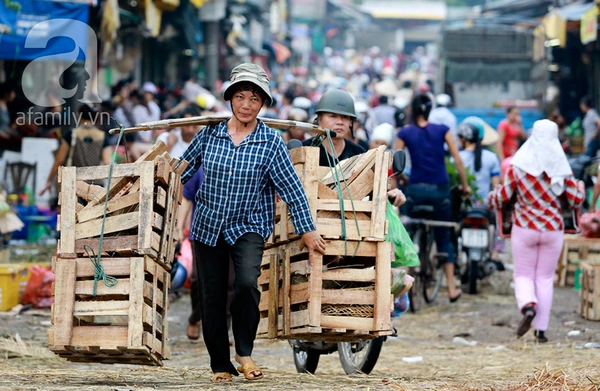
[[221, 377], [247, 369]]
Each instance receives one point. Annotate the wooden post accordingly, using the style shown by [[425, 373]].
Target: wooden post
[[135, 327], [146, 202], [311, 180], [156, 270], [66, 274], [382, 309], [286, 291], [166, 353], [170, 220], [68, 197], [273, 295], [164, 243], [379, 195], [563, 262], [316, 288]]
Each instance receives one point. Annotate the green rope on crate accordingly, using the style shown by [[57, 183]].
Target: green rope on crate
[[119, 141], [98, 270], [336, 177]]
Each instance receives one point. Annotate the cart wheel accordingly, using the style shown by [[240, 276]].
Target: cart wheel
[[306, 361], [361, 356]]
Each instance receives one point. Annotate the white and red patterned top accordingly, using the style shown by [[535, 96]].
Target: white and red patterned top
[[536, 207]]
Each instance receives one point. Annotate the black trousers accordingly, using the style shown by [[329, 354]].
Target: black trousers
[[212, 265], [196, 315]]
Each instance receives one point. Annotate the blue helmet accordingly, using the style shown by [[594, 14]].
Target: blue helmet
[[471, 129]]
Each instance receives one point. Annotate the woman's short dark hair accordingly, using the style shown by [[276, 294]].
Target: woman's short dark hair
[[510, 108], [254, 88], [421, 106], [192, 110]]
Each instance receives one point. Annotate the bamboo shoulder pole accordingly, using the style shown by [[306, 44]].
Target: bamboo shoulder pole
[[214, 120]]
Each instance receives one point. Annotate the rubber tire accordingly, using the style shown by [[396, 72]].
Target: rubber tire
[[438, 273], [473, 276], [368, 362], [306, 364], [415, 293], [433, 271]]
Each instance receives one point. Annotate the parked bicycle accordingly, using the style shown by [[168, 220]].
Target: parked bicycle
[[430, 274]]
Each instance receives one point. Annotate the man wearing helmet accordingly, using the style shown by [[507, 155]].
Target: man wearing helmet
[[335, 111]]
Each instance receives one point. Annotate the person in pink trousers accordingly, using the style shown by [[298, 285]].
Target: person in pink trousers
[[539, 176]]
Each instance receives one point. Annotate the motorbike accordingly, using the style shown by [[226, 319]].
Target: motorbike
[[473, 237], [355, 356]]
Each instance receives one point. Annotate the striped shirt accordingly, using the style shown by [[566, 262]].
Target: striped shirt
[[536, 207], [240, 182]]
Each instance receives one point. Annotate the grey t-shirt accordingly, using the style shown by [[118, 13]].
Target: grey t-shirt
[[490, 167], [589, 127], [385, 114]]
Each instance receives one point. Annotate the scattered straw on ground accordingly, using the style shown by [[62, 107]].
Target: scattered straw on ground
[[546, 379], [499, 361], [13, 347]]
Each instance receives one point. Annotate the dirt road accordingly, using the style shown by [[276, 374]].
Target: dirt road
[[498, 362]]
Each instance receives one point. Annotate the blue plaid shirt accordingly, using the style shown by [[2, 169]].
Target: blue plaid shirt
[[238, 192]]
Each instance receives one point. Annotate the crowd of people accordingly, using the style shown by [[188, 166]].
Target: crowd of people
[[227, 237]]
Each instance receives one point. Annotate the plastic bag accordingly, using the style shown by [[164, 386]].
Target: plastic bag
[[38, 291], [401, 305], [404, 249]]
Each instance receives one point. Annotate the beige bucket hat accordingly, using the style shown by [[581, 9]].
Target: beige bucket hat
[[249, 73]]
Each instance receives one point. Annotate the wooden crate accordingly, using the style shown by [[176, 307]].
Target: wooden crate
[[141, 212], [336, 298], [125, 323], [575, 250], [589, 304], [366, 177]]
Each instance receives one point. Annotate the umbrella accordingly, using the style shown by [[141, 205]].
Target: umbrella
[[386, 87]]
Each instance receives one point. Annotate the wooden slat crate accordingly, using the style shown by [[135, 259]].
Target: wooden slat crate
[[335, 298], [366, 175], [141, 212], [589, 305], [575, 250], [125, 323]]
